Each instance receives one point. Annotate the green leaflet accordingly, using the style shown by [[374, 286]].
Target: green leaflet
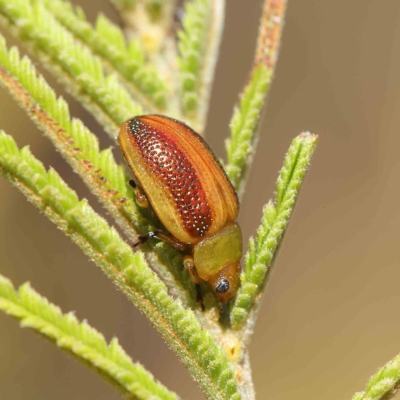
[[384, 384], [205, 360], [80, 339], [239, 146], [44, 97], [191, 42], [193, 45], [108, 42], [74, 64], [273, 225]]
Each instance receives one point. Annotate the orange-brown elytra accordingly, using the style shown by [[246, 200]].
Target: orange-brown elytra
[[177, 172]]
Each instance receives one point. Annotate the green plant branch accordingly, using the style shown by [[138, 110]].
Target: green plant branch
[[240, 146], [98, 169], [132, 380], [107, 41], [270, 233], [74, 64], [205, 359], [384, 384], [198, 45]]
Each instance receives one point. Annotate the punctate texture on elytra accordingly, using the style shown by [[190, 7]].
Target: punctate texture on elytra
[[183, 180]]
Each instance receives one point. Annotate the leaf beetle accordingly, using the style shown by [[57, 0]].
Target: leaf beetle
[[177, 173]]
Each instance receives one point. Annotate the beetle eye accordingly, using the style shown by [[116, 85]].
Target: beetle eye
[[222, 286]]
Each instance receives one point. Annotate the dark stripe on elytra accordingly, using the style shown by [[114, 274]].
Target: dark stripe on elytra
[[208, 149], [168, 163]]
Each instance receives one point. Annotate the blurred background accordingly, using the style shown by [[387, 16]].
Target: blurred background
[[330, 314]]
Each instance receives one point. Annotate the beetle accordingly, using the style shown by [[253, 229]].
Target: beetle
[[177, 173]]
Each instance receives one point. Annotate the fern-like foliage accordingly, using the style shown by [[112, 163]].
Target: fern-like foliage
[[158, 71], [98, 169], [74, 64], [108, 42], [273, 225], [204, 358], [81, 340], [79, 54], [71, 136]]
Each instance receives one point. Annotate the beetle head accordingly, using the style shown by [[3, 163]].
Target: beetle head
[[226, 282]]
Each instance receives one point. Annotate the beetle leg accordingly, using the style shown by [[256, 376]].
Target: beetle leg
[[199, 296], [189, 265], [169, 239], [141, 198], [144, 238], [161, 236]]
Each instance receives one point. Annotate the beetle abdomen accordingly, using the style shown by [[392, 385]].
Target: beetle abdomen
[[179, 174]]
